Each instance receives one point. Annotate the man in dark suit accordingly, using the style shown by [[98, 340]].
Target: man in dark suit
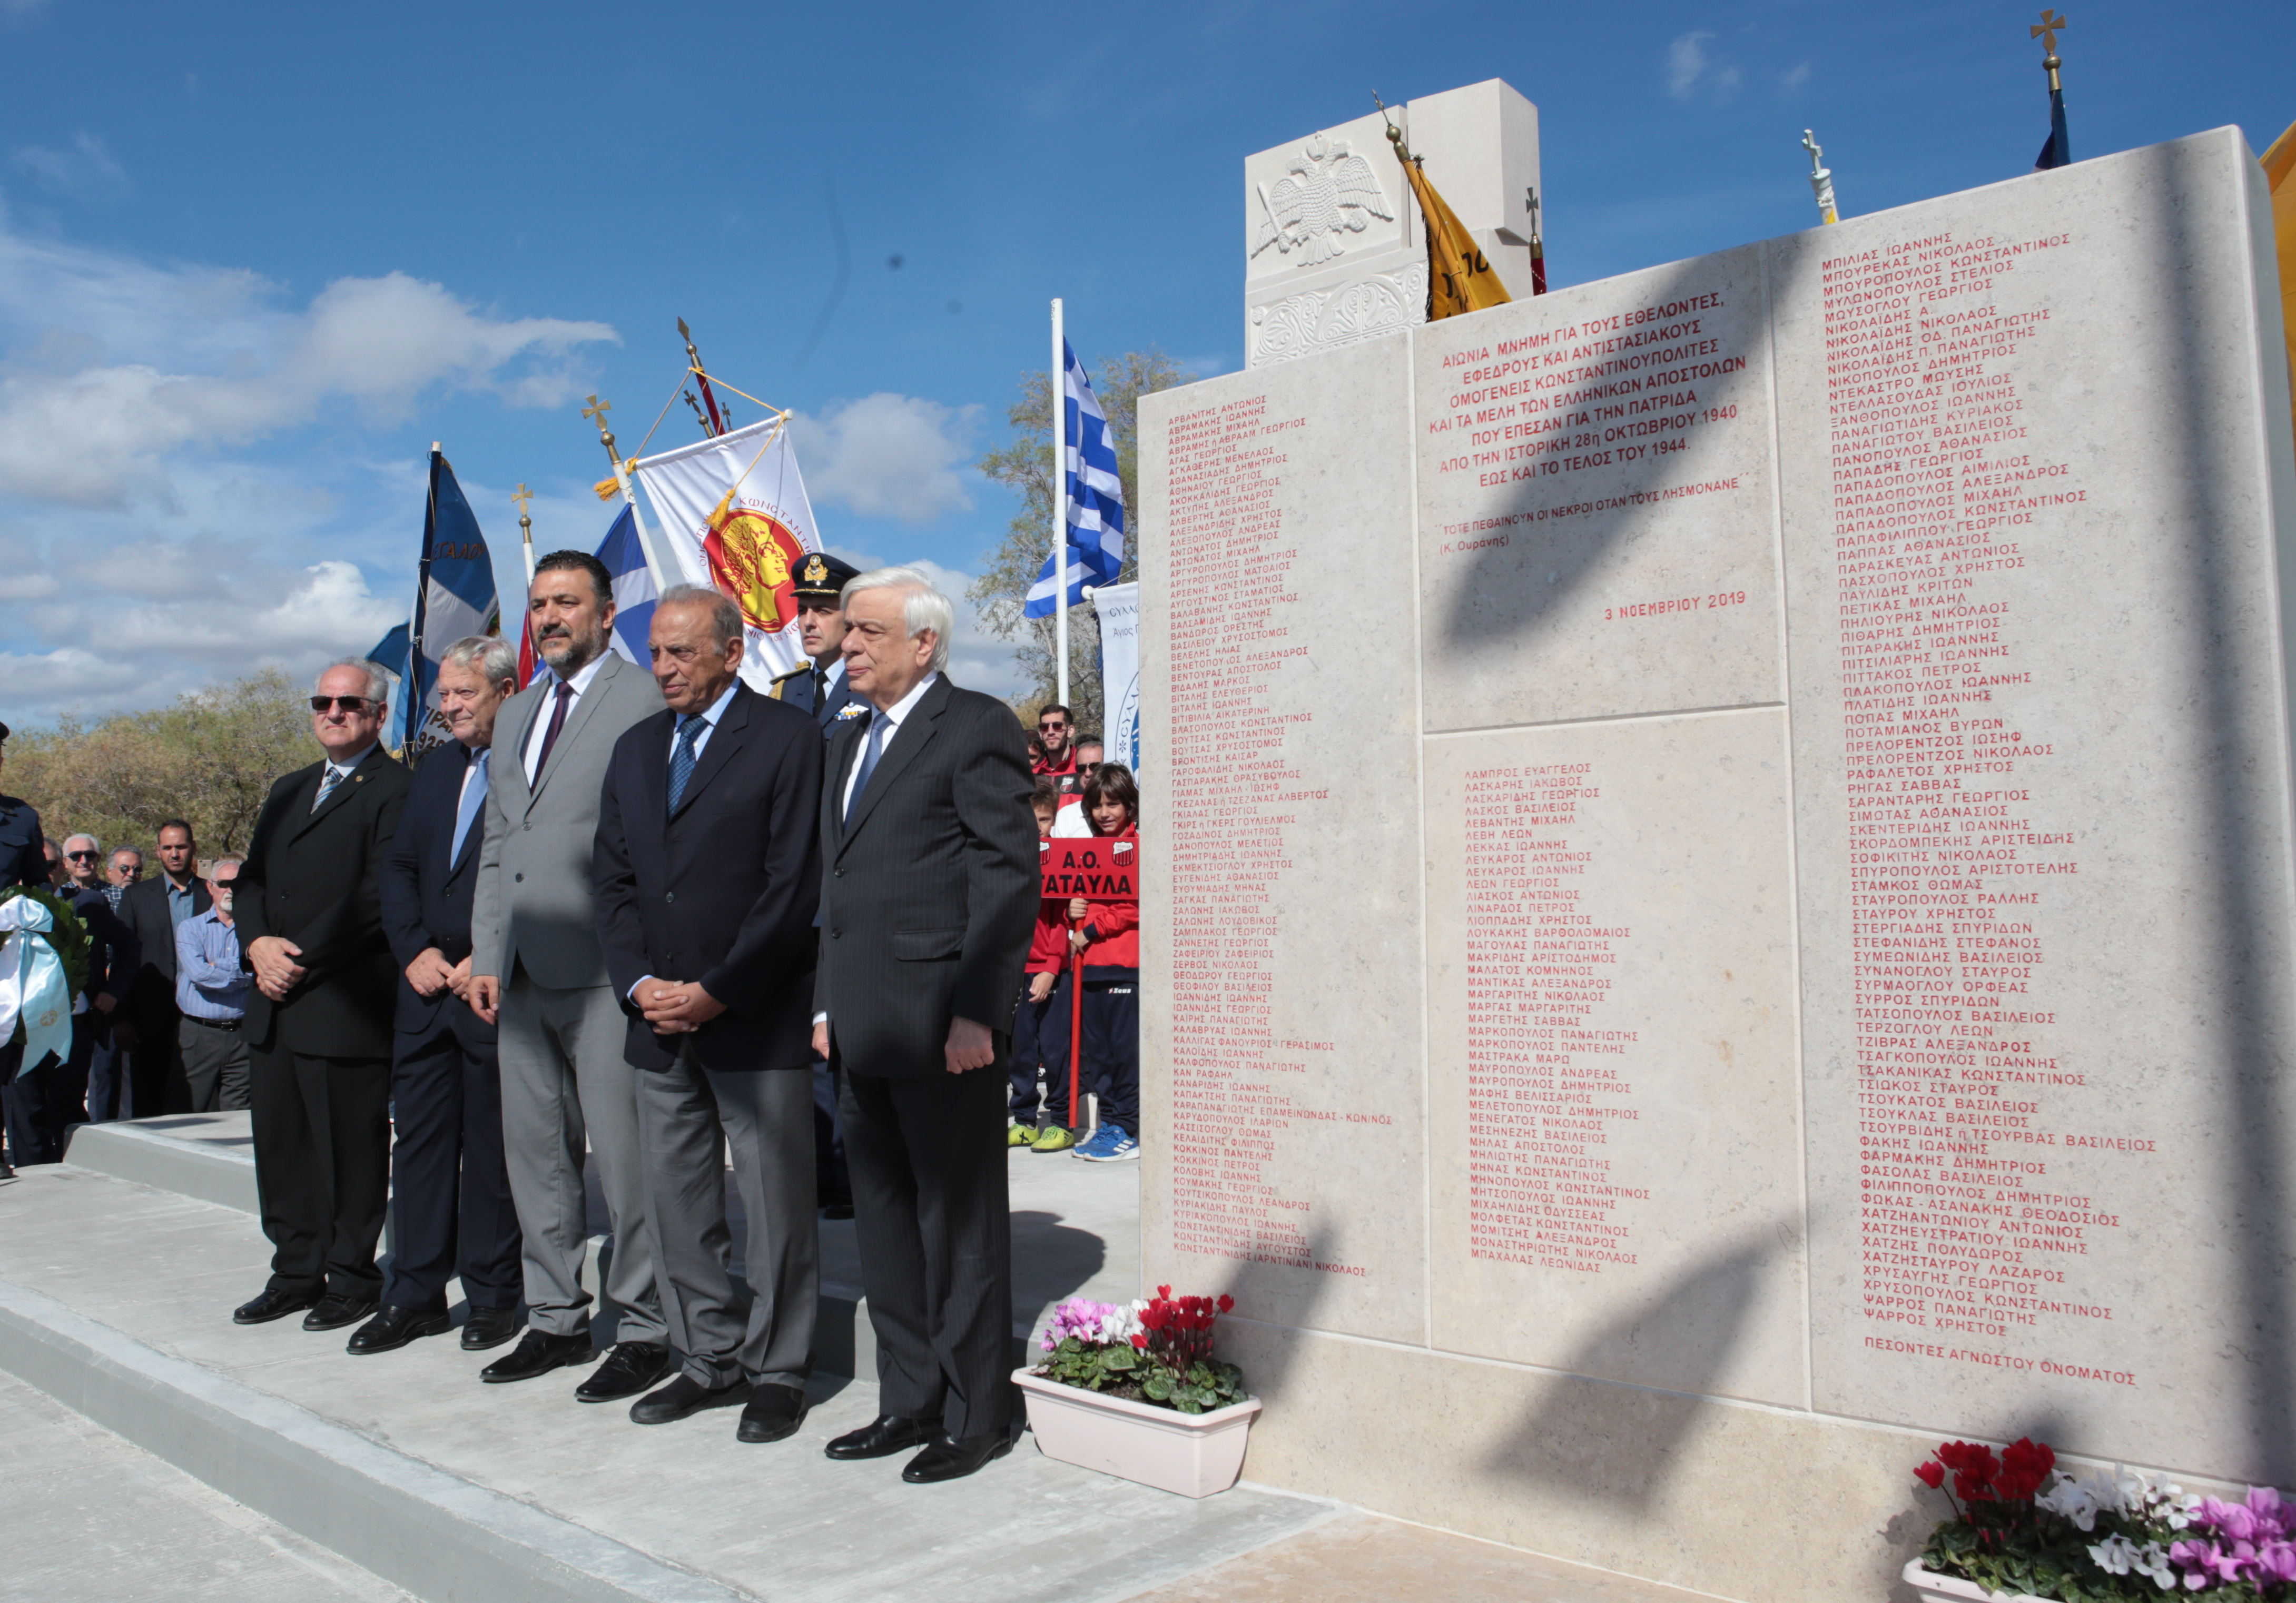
[[706, 877], [154, 909], [450, 1204], [310, 913], [928, 903], [817, 687]]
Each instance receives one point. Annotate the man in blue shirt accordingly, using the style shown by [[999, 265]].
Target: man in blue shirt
[[211, 988]]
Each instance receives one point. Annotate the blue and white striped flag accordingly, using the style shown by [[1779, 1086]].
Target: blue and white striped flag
[[453, 598], [634, 589], [1096, 498]]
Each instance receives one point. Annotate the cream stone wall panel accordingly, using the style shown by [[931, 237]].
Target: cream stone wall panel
[[1281, 949], [1597, 519], [1615, 1133], [2041, 784]]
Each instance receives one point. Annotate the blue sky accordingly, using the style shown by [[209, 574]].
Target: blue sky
[[255, 257]]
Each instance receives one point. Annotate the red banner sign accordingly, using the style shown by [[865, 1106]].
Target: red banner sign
[[1098, 868]]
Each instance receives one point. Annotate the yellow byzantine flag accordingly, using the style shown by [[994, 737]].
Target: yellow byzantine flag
[[1459, 275], [2280, 173]]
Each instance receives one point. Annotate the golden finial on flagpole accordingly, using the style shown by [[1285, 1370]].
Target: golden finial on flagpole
[[2046, 30], [523, 500], [596, 413]]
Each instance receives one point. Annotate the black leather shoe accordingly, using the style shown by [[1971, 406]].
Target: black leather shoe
[[773, 1412], [631, 1368], [271, 1305], [883, 1436], [334, 1312], [538, 1353], [488, 1328], [949, 1459], [392, 1328], [682, 1396]]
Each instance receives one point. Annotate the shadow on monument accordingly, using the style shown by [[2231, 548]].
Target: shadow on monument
[[1270, 1321], [1617, 1442], [2248, 889]]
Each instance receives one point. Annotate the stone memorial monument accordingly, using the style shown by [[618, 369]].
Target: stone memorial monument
[[1731, 913]]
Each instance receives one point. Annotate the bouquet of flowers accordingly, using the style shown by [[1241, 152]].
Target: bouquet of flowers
[[2020, 1525], [1159, 1350]]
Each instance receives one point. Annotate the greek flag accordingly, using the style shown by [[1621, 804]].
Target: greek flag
[[634, 591], [1096, 498], [454, 597]]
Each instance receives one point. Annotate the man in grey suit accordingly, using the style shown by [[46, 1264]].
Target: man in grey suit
[[928, 904], [537, 974]]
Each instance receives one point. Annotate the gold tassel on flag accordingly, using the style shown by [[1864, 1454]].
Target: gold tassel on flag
[[1459, 275]]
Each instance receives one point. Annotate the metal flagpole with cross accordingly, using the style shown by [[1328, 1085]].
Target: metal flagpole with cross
[[522, 501], [1821, 178], [596, 413]]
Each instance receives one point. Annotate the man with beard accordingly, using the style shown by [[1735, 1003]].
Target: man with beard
[[537, 974]]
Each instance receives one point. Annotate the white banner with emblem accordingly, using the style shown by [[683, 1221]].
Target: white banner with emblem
[[734, 516]]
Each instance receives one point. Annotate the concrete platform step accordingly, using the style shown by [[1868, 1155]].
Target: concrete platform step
[[115, 1297]]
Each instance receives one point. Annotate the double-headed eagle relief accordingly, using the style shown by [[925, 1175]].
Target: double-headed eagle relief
[[1330, 190]]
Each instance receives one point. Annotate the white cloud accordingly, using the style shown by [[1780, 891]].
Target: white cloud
[[211, 360], [1685, 63], [86, 170], [1796, 78], [889, 456]]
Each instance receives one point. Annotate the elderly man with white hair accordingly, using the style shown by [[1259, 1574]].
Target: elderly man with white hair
[[309, 916], [928, 904]]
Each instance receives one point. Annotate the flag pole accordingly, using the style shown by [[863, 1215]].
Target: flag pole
[[525, 530], [596, 413], [1060, 505], [1820, 179]]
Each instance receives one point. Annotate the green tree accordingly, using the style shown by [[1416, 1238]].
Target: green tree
[[211, 759], [1025, 467]]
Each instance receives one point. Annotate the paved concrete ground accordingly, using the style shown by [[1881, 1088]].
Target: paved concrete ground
[[117, 1292], [92, 1516]]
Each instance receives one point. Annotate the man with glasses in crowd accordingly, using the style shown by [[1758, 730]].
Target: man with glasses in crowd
[[125, 869], [83, 863], [211, 986], [318, 1021]]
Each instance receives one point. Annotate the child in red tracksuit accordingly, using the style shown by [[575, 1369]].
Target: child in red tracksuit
[[1040, 1029], [1108, 934]]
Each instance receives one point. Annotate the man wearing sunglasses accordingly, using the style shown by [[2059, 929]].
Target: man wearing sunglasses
[[308, 914], [83, 863]]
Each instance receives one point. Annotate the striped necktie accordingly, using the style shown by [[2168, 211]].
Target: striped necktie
[[870, 749], [680, 757], [327, 784]]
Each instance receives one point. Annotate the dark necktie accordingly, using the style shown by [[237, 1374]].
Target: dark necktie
[[820, 687], [870, 749], [680, 757], [557, 721]]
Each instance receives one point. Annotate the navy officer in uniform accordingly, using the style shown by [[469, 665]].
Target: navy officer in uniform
[[817, 685]]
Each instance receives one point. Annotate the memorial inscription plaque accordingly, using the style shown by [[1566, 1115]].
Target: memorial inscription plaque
[[1774, 938]]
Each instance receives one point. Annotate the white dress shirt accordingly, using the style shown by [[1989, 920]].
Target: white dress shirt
[[530, 759], [708, 716], [342, 770], [895, 716]]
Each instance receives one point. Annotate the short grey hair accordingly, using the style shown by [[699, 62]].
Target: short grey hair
[[208, 870], [378, 678], [923, 605], [493, 658], [118, 852], [724, 613], [97, 845]]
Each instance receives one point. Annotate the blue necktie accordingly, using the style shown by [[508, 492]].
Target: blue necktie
[[474, 797], [870, 749], [680, 757], [327, 784]]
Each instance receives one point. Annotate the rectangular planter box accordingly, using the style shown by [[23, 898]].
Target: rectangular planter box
[[1953, 1589], [1194, 1455]]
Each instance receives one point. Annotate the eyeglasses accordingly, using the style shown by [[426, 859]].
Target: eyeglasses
[[1052, 726], [353, 705], [82, 856]]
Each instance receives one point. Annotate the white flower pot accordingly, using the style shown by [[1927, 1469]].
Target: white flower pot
[[1952, 1588], [1194, 1455]]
